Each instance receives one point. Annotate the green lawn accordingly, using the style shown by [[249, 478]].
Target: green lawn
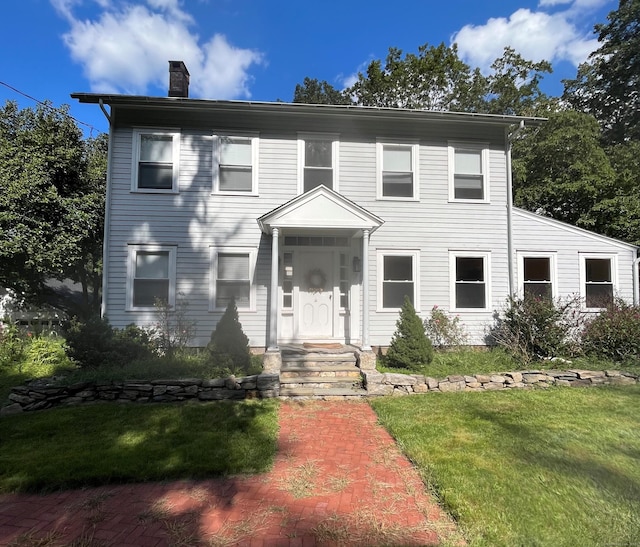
[[98, 444], [556, 467]]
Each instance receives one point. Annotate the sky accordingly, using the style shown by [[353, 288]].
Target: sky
[[258, 50]]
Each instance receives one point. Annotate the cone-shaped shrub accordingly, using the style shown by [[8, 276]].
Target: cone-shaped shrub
[[410, 347], [229, 345]]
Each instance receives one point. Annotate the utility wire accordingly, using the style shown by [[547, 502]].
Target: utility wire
[[49, 106]]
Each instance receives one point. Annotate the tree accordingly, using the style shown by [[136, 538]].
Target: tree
[[409, 347], [313, 91], [51, 205], [607, 85], [229, 345]]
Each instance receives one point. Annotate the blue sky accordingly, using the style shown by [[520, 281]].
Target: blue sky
[[259, 50]]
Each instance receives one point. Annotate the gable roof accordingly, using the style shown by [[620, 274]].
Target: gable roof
[[319, 208]]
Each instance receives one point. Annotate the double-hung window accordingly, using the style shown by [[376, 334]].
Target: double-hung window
[[236, 160], [536, 273], [155, 161], [152, 276], [397, 171], [598, 275], [468, 172], [398, 277], [470, 280], [318, 161], [232, 278]]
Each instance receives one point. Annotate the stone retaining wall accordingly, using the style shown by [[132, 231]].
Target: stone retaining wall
[[41, 394], [378, 383]]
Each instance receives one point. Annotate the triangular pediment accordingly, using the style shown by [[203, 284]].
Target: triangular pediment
[[319, 208]]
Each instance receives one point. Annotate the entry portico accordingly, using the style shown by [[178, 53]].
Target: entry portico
[[319, 269]]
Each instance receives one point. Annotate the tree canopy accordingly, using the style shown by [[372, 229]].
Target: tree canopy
[[52, 186]]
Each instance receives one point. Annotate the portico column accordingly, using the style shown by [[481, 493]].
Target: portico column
[[273, 308], [365, 291]]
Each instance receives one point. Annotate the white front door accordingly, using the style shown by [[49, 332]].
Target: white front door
[[315, 280]]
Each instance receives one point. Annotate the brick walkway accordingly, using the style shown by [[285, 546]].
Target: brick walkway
[[338, 479]]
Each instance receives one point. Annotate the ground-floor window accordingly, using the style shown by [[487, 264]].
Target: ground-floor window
[[536, 273], [470, 280], [151, 277], [598, 275], [397, 274], [232, 274]]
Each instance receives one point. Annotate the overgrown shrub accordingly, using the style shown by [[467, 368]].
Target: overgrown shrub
[[614, 333], [229, 345], [45, 355], [409, 347], [537, 328], [173, 329], [12, 343], [443, 330]]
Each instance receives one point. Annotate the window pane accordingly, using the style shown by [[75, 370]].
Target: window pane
[[470, 295], [397, 184], [537, 269], [146, 291], [393, 294], [235, 179], [233, 266], [316, 177], [317, 153], [469, 268], [598, 270], [599, 296], [226, 290], [541, 291], [468, 187], [235, 151], [152, 264], [157, 148], [154, 175], [396, 158], [398, 268], [468, 162]]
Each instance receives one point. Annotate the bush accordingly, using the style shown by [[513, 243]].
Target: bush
[[614, 334], [443, 331], [229, 346], [410, 347], [12, 343], [173, 329], [45, 355], [537, 328]]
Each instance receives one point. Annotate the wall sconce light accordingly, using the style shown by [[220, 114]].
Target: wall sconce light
[[356, 264]]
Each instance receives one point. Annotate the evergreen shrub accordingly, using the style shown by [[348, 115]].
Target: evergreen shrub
[[410, 347], [229, 345]]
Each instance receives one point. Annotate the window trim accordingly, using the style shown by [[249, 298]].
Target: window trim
[[255, 147], [135, 160], [415, 166], [335, 150], [132, 251], [483, 147], [613, 258], [486, 256], [415, 256], [553, 271], [213, 277]]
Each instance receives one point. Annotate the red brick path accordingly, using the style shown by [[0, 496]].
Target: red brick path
[[338, 479]]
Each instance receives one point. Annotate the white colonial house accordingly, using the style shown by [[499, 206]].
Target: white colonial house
[[319, 219]]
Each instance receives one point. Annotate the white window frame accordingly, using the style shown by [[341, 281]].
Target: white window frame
[[415, 151], [335, 150], [255, 144], [481, 147], [613, 258], [133, 250], [415, 262], [486, 256], [553, 272], [135, 161], [252, 252]]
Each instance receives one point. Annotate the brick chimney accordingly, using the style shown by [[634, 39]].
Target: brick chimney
[[178, 79]]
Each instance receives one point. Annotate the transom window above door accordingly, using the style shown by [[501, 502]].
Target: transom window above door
[[318, 161]]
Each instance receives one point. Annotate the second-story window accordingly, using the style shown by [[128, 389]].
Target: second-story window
[[318, 161], [235, 159], [397, 171], [468, 180], [155, 166]]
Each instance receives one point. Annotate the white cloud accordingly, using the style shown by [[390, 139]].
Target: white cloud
[[126, 48], [535, 35]]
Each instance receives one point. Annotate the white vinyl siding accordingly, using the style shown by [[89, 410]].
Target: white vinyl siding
[[398, 277], [470, 280], [598, 280], [155, 161], [397, 174], [318, 161], [152, 276], [468, 172], [235, 166], [232, 274]]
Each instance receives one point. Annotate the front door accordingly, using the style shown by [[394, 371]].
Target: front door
[[315, 279]]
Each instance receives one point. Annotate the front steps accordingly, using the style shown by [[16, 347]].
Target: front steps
[[318, 373]]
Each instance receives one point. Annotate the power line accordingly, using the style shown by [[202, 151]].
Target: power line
[[47, 105]]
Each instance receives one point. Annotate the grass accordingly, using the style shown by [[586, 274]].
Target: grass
[[107, 443], [541, 467]]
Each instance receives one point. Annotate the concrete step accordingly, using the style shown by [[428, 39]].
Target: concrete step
[[315, 393], [318, 358], [295, 371], [321, 382]]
